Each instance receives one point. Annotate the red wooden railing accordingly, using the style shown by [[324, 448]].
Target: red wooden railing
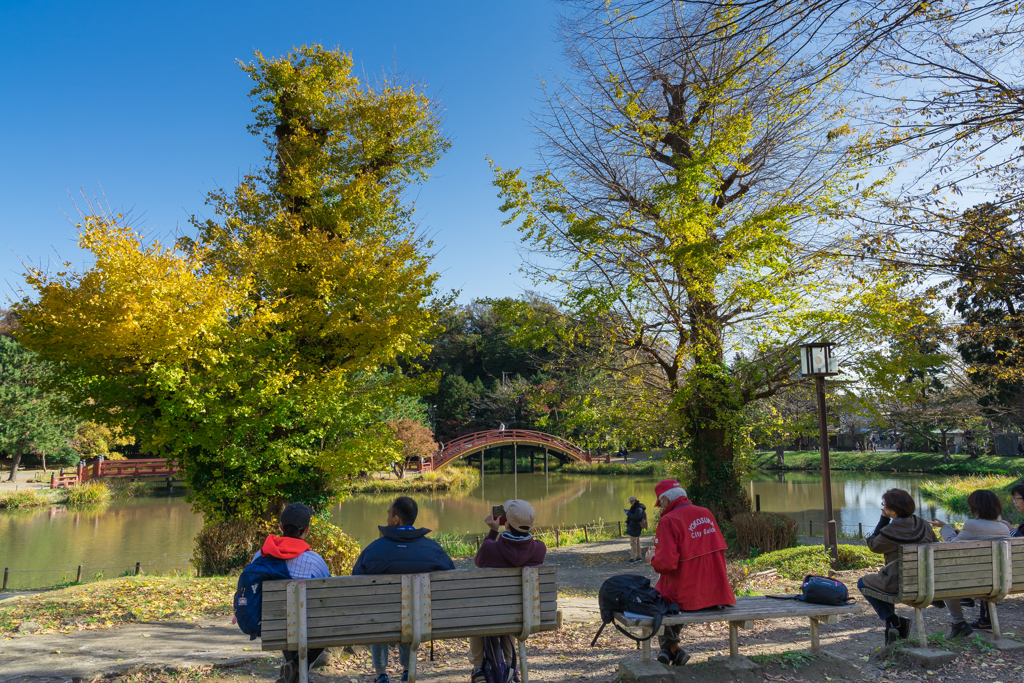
[[150, 467], [495, 437]]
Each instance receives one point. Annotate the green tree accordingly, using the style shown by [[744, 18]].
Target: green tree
[[31, 418], [687, 210], [256, 351]]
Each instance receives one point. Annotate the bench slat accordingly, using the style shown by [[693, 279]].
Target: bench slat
[[345, 613], [747, 609], [382, 593]]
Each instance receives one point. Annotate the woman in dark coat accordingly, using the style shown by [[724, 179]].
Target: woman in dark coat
[[635, 516], [897, 527]]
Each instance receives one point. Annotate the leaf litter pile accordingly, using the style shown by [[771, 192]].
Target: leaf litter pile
[[118, 601]]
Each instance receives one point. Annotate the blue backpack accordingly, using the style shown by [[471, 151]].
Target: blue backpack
[[248, 600]]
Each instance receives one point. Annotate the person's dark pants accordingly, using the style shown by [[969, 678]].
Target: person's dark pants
[[883, 609], [670, 637], [312, 654], [983, 615]]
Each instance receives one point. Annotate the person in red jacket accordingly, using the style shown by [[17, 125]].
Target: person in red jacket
[[515, 547], [689, 554]]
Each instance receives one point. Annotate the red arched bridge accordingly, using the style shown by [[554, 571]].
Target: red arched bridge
[[495, 438]]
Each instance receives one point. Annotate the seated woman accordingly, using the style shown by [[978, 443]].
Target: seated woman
[[986, 526], [898, 526], [984, 623]]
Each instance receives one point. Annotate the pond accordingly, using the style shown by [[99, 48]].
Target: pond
[[43, 546]]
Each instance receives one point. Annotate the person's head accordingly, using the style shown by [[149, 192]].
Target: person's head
[[984, 504], [519, 517], [898, 502], [1018, 497], [294, 520], [633, 499], [402, 512], [667, 491]]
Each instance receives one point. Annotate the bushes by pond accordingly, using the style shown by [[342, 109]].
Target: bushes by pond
[[85, 495], [648, 468], [25, 498], [764, 532], [893, 462], [953, 492], [452, 478]]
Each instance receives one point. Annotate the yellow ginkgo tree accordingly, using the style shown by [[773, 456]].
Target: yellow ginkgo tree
[[258, 350]]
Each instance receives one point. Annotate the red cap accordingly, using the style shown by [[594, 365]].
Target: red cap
[[665, 486]]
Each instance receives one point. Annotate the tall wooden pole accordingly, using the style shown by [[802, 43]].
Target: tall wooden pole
[[831, 540]]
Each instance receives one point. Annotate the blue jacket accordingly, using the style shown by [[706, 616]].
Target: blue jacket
[[402, 551]]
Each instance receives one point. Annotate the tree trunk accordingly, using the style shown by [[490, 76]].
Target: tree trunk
[[945, 449], [15, 461], [780, 455], [43, 456]]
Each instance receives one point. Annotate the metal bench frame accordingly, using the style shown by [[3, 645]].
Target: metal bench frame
[[742, 615], [363, 610], [991, 584]]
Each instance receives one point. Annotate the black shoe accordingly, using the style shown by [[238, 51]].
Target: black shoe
[[941, 604], [681, 658], [478, 676], [980, 625], [960, 630], [904, 628], [892, 629], [967, 602], [665, 657], [289, 673], [383, 678]]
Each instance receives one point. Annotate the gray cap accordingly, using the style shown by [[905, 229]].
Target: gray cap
[[296, 515]]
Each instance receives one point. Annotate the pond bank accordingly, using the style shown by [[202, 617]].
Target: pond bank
[[889, 461]]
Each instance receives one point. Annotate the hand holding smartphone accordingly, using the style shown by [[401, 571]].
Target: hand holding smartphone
[[498, 513]]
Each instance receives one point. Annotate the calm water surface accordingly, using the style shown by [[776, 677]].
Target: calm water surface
[[158, 531]]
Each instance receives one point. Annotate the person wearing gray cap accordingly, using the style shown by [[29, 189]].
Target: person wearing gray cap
[[636, 521]]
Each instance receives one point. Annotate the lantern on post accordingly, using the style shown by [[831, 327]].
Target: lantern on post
[[817, 361]]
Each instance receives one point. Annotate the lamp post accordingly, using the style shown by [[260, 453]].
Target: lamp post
[[817, 361]]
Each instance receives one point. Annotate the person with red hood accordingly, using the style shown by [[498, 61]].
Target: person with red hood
[[301, 563], [515, 547], [689, 554]]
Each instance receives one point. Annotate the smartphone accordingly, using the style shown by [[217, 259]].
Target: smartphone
[[497, 511]]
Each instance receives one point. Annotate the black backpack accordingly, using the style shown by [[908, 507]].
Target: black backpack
[[821, 590], [635, 594], [495, 668]]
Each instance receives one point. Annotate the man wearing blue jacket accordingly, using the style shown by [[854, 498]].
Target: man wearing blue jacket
[[401, 549]]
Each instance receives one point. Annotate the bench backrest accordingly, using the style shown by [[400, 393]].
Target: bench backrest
[[411, 608], [972, 569]]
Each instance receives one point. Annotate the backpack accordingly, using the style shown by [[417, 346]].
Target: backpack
[[495, 668], [635, 594], [821, 590], [643, 520], [248, 601]]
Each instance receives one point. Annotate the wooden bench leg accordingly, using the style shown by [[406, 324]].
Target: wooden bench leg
[[993, 615], [922, 635], [734, 639], [645, 652], [413, 654], [815, 644], [524, 672]]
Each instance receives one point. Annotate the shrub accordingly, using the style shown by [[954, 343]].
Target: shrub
[[953, 492], [649, 468], [27, 498], [91, 493], [451, 478], [766, 531], [125, 488], [796, 563], [228, 547], [338, 549]]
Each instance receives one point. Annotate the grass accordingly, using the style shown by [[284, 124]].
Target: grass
[[452, 478], [894, 462], [125, 488], [953, 492], [649, 468], [117, 601], [455, 544], [796, 563], [83, 495], [27, 498]]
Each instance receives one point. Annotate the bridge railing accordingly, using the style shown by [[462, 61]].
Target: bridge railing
[[455, 448]]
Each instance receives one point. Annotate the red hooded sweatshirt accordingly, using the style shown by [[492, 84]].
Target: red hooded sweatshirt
[[689, 553], [283, 547]]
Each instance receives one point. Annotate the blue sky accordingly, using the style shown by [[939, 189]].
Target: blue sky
[[146, 100]]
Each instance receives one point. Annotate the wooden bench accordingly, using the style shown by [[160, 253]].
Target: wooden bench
[[742, 615], [989, 570], [409, 608]]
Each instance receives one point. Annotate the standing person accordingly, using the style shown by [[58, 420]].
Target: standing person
[[689, 554], [636, 518], [986, 526], [897, 526], [291, 549], [515, 547], [401, 549]]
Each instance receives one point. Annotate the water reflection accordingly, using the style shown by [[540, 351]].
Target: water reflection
[[856, 497]]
